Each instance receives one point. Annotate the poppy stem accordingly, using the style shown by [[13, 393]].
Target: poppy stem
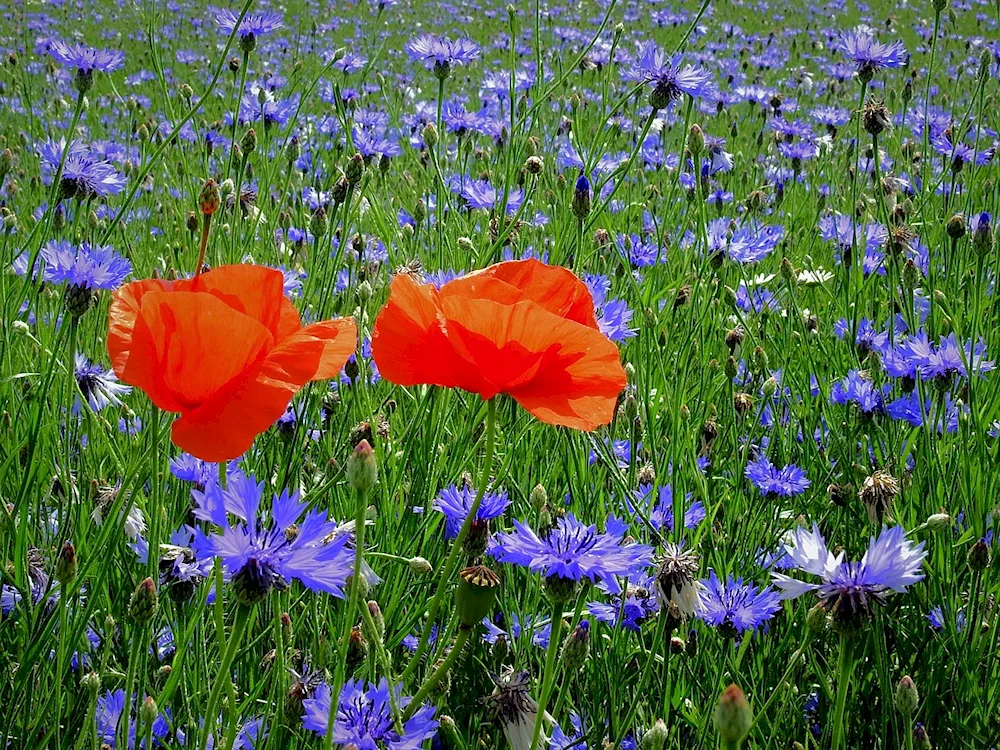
[[206, 226], [418, 700], [456, 549]]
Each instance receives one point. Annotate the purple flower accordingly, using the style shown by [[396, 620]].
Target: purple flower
[[85, 59], [571, 550], [613, 319], [109, 712], [772, 481], [98, 387], [939, 619], [669, 79], [850, 589], [869, 55], [440, 54], [253, 24], [480, 194], [84, 175], [364, 717], [85, 266], [736, 607], [661, 514], [743, 244], [857, 388], [628, 608], [454, 503], [261, 553]]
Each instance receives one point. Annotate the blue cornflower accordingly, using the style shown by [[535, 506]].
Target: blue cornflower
[[743, 243], [364, 717], [85, 59], [111, 710], [575, 740], [613, 319], [571, 551], [857, 388], [412, 641], [261, 553], [869, 55], [772, 481], [252, 26], [98, 387], [454, 503], [755, 299], [736, 607], [539, 632], [440, 54], [669, 79], [939, 619], [638, 252], [86, 266], [480, 194], [850, 589], [639, 605], [622, 451], [661, 514], [260, 103], [85, 174]]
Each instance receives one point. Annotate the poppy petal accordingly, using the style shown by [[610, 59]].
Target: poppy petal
[[561, 371], [554, 288], [126, 302], [200, 344], [408, 341], [317, 352], [255, 291]]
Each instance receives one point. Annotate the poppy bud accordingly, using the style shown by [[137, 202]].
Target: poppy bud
[[148, 711], [362, 468], [655, 737], [210, 198], [979, 556], [475, 594], [91, 682], [538, 497], [420, 211], [420, 566], [430, 135], [378, 621], [730, 367], [906, 697], [581, 197], [286, 627], [66, 564], [816, 619], [696, 140], [770, 387], [144, 603], [733, 716], [938, 522]]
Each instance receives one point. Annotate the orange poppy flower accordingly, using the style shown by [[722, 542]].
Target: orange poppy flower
[[522, 328], [226, 349]]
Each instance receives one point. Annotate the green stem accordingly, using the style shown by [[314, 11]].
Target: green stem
[[793, 662], [456, 548], [431, 682], [360, 516], [224, 676], [845, 665], [548, 676]]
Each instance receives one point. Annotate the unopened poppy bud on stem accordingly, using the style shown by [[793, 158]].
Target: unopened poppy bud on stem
[[906, 697], [210, 198], [145, 602], [733, 717], [655, 737], [66, 564], [362, 469]]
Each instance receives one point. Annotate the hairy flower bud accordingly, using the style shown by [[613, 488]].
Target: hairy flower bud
[[362, 468]]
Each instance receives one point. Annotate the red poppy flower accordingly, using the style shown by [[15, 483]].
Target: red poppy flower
[[226, 349], [522, 328]]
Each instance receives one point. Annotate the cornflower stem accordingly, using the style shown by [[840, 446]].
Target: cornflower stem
[[360, 514], [845, 666], [855, 269], [383, 660], [456, 549], [548, 676], [224, 677], [431, 682]]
